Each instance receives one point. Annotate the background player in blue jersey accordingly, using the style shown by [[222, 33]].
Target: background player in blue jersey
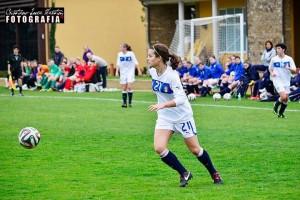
[[174, 114]]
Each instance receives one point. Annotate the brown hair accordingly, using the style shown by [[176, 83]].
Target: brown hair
[[127, 46], [161, 50], [268, 41]]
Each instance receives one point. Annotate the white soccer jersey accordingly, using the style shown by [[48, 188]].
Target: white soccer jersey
[[126, 62], [278, 65], [168, 87]]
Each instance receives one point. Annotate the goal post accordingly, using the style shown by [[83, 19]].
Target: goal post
[[219, 35]]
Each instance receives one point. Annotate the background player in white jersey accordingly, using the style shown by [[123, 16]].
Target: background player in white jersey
[[126, 65], [174, 114], [281, 67]]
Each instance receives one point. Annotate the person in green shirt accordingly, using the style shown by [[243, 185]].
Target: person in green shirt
[[49, 80]]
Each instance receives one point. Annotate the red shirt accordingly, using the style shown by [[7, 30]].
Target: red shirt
[[89, 72]]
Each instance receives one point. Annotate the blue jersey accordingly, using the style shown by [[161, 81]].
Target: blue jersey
[[182, 70], [194, 71], [230, 69], [239, 71], [216, 70], [204, 73]]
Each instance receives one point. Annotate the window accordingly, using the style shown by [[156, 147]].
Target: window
[[231, 42]]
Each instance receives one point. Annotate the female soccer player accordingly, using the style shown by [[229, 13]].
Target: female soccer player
[[281, 67], [174, 114], [126, 64]]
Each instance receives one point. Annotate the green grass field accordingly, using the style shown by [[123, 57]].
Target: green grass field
[[92, 149]]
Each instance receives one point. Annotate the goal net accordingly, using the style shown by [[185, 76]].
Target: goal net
[[220, 36]]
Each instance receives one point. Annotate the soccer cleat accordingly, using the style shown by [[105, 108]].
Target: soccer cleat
[[12, 94], [217, 178], [130, 105], [21, 94], [185, 179], [124, 105], [282, 116]]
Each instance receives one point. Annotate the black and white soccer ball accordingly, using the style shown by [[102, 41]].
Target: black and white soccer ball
[[227, 96], [217, 96], [29, 137]]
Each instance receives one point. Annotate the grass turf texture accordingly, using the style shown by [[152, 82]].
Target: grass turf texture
[[91, 148]]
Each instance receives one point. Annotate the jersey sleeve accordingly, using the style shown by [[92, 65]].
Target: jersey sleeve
[[176, 86], [292, 64], [134, 59]]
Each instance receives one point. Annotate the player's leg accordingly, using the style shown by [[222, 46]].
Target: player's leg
[[130, 93], [124, 94], [196, 83], [130, 81], [205, 87], [103, 73], [202, 155], [284, 101], [161, 139], [189, 86], [20, 86]]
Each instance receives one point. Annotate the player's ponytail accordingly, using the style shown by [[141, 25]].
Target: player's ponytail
[[161, 50], [174, 61]]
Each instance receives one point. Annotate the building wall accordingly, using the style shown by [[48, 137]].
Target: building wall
[[103, 26], [205, 7], [264, 23], [162, 22]]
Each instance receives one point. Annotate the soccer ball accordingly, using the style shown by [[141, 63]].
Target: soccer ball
[[29, 137], [227, 96], [216, 96], [191, 97], [263, 96]]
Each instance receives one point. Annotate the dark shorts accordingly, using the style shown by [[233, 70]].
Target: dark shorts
[[16, 74]]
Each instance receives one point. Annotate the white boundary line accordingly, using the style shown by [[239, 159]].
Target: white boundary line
[[146, 102]]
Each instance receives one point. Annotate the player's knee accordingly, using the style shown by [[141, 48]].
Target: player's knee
[[284, 98], [159, 149], [195, 150]]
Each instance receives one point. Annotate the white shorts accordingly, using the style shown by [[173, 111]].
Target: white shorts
[[127, 78], [187, 128], [281, 87]]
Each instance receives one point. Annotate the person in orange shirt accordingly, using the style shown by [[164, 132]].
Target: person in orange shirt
[[43, 70]]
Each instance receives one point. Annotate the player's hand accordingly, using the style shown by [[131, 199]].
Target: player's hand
[[273, 74], [155, 107]]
